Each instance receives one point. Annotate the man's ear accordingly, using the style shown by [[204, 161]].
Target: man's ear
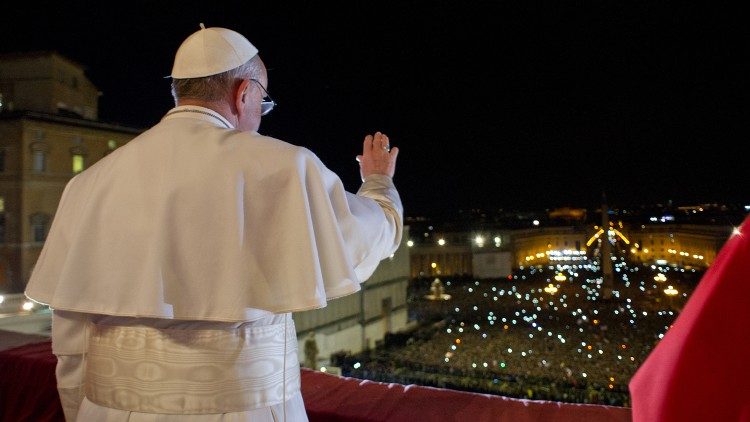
[[240, 94]]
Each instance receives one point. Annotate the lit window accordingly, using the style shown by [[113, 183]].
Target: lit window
[[78, 154], [78, 163]]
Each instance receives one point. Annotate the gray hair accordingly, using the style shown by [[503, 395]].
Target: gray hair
[[216, 87]]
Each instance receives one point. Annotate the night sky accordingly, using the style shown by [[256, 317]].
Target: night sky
[[521, 105]]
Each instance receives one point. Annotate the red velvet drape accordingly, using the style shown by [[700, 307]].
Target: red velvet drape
[[700, 370]]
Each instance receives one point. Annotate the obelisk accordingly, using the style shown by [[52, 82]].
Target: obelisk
[[606, 251]]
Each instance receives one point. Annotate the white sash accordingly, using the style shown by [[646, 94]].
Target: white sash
[[174, 371]]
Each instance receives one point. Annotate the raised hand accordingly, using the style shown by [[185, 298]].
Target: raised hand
[[377, 156]]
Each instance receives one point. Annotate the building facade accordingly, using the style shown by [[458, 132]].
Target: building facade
[[360, 321], [48, 133], [683, 245]]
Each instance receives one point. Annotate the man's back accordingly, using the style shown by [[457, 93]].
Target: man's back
[[191, 221]]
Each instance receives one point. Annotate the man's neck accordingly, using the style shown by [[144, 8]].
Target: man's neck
[[216, 106]]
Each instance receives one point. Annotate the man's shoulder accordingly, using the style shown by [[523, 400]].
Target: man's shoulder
[[256, 142]]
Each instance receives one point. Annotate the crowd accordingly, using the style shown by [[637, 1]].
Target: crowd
[[513, 338]]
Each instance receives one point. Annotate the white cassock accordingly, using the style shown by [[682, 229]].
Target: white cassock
[[173, 265]]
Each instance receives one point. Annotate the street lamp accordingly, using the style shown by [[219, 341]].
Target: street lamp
[[671, 292]]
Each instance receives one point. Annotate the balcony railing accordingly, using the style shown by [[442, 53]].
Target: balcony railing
[[28, 393]]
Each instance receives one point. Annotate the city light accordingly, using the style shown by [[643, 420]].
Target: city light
[[594, 237], [611, 233], [670, 291], [565, 255], [410, 243], [441, 242], [550, 289]]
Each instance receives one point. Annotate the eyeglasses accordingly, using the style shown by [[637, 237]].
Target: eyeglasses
[[267, 104]]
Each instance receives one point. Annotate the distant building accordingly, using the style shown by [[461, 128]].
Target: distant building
[[568, 214], [49, 132], [684, 245], [550, 245], [477, 254], [47, 82], [491, 264], [361, 321]]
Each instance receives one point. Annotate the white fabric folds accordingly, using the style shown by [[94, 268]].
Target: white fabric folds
[[176, 371], [197, 222]]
